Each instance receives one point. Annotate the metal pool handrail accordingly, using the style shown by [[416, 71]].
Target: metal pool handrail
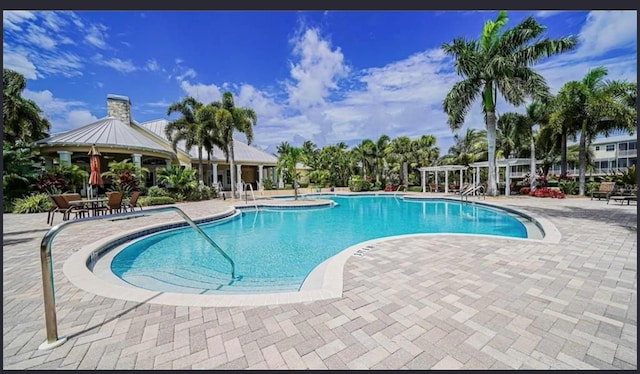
[[47, 265]]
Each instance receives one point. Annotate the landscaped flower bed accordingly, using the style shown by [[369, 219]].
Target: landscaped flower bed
[[547, 192]]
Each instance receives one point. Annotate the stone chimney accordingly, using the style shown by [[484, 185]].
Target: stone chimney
[[119, 107]]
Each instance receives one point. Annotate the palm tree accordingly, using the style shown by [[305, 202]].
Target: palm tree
[[521, 130], [180, 180], [470, 148], [192, 127], [594, 106], [379, 153], [547, 145], [499, 61], [363, 154], [230, 118], [310, 154], [399, 152], [22, 118], [288, 160]]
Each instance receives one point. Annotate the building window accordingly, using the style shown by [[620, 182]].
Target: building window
[[611, 147], [622, 163], [622, 146], [632, 146], [597, 147]]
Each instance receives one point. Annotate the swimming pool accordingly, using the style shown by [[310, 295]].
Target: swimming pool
[[275, 250]]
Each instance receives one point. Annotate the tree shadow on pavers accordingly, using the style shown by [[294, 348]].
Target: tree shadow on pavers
[[24, 232], [114, 317], [622, 217], [6, 242]]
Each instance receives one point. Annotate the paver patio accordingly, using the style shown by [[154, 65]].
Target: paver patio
[[442, 301]]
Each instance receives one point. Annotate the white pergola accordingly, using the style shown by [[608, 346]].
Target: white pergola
[[501, 163], [436, 169]]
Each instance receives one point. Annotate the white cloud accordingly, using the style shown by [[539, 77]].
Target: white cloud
[[316, 72], [152, 65], [123, 66], [202, 92], [63, 114], [77, 118], [96, 36], [606, 31], [19, 63], [548, 13], [38, 36], [11, 19], [189, 73]]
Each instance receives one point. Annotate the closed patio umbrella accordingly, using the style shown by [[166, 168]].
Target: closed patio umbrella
[[95, 178]]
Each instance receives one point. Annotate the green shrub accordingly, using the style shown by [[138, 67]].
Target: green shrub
[[288, 186], [268, 184], [357, 184], [157, 191], [156, 200], [590, 187], [569, 186], [415, 189], [34, 203], [203, 193]]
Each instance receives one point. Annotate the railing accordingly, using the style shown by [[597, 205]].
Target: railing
[[398, 189], [246, 194], [47, 265], [473, 190]]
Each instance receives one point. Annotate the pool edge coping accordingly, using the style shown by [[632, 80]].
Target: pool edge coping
[[325, 281]]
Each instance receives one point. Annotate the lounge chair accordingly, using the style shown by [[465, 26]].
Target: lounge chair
[[605, 190], [623, 195], [63, 206], [114, 204], [132, 203]]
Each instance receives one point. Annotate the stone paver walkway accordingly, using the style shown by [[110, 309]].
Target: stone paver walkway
[[423, 303]]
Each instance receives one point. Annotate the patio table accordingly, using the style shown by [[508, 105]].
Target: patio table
[[91, 204]]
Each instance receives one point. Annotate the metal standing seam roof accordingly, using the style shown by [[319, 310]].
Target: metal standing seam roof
[[107, 131], [242, 151]]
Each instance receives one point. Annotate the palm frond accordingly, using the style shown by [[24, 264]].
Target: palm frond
[[458, 101]]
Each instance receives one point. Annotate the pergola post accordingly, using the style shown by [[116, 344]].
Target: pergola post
[[424, 182], [446, 180], [436, 173], [507, 177]]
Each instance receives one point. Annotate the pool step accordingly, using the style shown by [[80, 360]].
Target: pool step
[[178, 280]]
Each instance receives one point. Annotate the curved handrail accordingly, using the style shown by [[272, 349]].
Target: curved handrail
[[47, 264], [246, 194], [471, 190]]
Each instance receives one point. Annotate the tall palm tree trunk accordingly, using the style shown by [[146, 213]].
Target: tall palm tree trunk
[[200, 170], [532, 165], [491, 140], [582, 158], [405, 173], [563, 152], [232, 165]]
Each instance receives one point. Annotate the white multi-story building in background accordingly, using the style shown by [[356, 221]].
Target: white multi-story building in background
[[611, 154]]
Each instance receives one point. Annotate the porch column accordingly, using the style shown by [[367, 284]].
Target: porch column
[[424, 182], [65, 158], [281, 179], [460, 186], [239, 186], [446, 181], [260, 176], [168, 164], [137, 159], [214, 171], [507, 177]]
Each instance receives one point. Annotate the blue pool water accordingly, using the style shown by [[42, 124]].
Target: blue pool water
[[275, 250]]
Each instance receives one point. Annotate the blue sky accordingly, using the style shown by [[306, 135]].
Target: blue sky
[[327, 76]]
